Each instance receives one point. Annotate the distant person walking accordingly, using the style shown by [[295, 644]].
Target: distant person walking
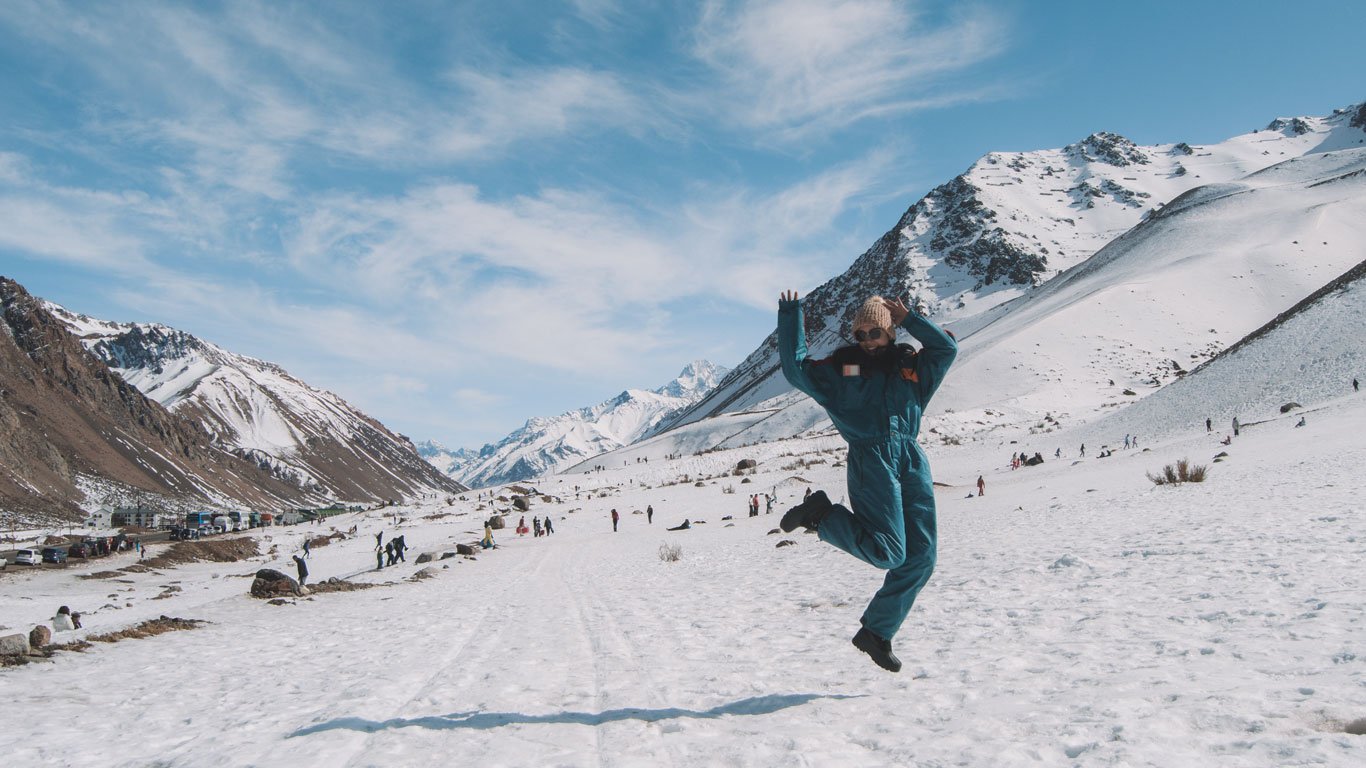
[[549, 529], [306, 547], [1209, 425], [535, 527], [399, 546], [981, 486], [302, 568], [390, 559], [650, 515], [379, 559], [1355, 386], [1083, 450], [1235, 426], [615, 519]]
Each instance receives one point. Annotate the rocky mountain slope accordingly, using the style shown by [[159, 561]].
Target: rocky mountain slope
[[304, 436], [546, 445], [1014, 222], [74, 434]]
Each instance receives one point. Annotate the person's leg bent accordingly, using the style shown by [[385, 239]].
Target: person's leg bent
[[874, 531], [891, 604]]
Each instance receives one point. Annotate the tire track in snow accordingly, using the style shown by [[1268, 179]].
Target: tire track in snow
[[593, 614], [453, 658]]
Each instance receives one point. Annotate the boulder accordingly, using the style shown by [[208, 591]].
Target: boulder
[[425, 557], [14, 645], [775, 530], [270, 583], [1288, 407], [447, 555], [496, 522], [785, 543], [464, 549], [521, 503], [743, 464], [39, 636]]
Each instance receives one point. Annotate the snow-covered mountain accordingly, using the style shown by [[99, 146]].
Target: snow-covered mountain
[[74, 435], [1009, 227], [306, 436], [546, 445]]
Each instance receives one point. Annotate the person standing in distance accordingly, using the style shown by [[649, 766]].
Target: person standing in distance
[[875, 392]]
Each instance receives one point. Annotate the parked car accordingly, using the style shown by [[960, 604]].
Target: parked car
[[80, 549], [27, 557], [54, 555]]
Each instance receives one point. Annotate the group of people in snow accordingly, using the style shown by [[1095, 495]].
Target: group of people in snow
[[390, 552], [538, 529], [754, 502]]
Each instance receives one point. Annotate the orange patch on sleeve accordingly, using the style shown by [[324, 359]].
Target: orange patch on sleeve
[[909, 374]]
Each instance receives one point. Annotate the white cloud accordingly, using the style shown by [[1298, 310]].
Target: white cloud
[[500, 110], [90, 236], [470, 397], [793, 67]]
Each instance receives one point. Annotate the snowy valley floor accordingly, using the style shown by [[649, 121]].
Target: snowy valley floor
[[1079, 616]]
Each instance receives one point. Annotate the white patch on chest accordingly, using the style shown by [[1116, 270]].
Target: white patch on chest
[[851, 370]]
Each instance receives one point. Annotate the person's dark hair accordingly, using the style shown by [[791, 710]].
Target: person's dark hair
[[64, 609]]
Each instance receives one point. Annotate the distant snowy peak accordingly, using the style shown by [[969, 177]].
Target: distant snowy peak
[[697, 378], [546, 444], [304, 435]]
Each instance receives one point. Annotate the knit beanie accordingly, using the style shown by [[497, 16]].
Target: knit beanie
[[873, 312]]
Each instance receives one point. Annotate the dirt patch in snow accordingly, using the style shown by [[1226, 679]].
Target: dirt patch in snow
[[214, 551], [338, 585], [149, 628]]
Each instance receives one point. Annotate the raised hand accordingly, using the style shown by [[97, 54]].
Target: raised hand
[[897, 309], [789, 296]]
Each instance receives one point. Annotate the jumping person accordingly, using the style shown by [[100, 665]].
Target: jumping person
[[875, 392]]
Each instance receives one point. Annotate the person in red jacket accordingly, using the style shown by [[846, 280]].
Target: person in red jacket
[[615, 518]]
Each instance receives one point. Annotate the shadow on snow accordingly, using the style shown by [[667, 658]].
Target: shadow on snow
[[757, 705]]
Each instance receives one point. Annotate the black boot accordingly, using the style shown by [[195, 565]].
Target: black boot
[[807, 514], [880, 650]]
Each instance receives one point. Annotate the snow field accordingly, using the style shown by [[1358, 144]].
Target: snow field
[[1079, 615]]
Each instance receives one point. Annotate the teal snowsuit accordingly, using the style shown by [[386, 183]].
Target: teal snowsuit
[[892, 523]]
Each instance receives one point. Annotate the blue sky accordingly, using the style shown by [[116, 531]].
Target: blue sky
[[462, 215]]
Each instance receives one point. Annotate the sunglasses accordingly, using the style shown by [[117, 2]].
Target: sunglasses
[[874, 334]]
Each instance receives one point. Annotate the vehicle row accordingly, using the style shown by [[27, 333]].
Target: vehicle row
[[40, 556], [89, 547]]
